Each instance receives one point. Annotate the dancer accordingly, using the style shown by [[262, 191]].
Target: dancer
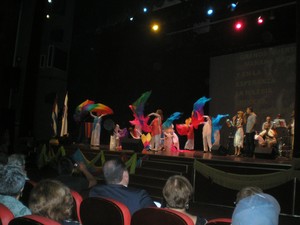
[[188, 130], [238, 141], [171, 140], [140, 122], [156, 130], [96, 131], [216, 127], [115, 139], [206, 134]]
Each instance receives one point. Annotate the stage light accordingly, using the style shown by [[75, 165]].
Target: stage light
[[48, 16], [260, 20], [233, 6], [145, 9], [49, 1], [131, 18], [210, 11], [155, 27], [239, 25]]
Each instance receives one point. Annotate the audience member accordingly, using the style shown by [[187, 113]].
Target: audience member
[[177, 193], [116, 177], [12, 181], [19, 161], [256, 209], [52, 199], [67, 175], [247, 191]]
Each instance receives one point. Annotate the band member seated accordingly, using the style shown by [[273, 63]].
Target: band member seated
[[267, 138]]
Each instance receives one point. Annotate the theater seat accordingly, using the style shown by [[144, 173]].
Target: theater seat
[[33, 220], [5, 215], [160, 216], [77, 202], [103, 211], [219, 221]]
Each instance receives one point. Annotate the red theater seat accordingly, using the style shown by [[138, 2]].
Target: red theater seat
[[5, 215], [103, 211], [160, 216], [219, 221], [33, 220], [77, 202]]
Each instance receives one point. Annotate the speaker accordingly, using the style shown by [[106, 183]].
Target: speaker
[[219, 150], [264, 153], [132, 144]]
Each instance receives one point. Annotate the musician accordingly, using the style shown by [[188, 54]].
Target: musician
[[279, 122], [291, 128], [267, 137], [268, 121], [250, 121]]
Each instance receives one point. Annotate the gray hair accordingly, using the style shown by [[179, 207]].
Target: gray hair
[[17, 160], [113, 171], [12, 180]]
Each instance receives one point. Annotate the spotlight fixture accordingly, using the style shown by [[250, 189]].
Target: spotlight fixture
[[210, 11], [239, 25], [260, 20], [155, 27], [233, 6]]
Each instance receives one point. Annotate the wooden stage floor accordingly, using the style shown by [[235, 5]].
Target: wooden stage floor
[[198, 154]]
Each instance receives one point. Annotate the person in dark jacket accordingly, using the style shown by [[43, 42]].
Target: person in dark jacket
[[116, 177]]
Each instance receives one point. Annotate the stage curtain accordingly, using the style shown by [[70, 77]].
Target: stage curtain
[[238, 181]]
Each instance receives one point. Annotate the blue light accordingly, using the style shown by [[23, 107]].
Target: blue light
[[145, 10], [210, 12], [233, 6]]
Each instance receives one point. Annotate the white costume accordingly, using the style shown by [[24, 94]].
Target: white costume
[[206, 134]]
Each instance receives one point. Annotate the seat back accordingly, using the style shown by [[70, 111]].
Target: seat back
[[77, 202], [33, 220], [219, 221], [103, 211], [160, 216], [5, 214]]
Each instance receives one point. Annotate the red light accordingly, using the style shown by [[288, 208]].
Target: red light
[[260, 20], [238, 25]]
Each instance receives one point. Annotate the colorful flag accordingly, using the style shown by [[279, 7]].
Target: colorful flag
[[64, 121], [54, 117]]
